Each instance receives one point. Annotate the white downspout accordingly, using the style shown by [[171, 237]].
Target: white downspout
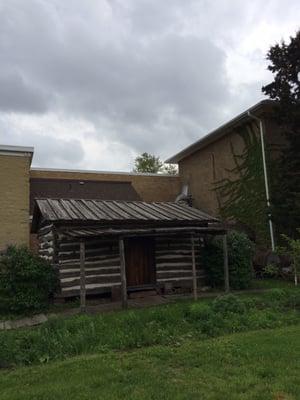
[[261, 128]]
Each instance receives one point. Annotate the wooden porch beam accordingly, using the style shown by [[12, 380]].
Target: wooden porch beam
[[123, 273], [226, 270], [195, 293], [82, 277]]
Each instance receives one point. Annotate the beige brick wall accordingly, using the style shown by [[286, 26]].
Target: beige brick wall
[[206, 166], [149, 187], [14, 200]]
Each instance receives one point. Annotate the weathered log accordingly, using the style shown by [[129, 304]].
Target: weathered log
[[82, 277], [123, 273]]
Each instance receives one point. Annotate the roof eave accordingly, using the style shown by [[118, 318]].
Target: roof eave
[[260, 107], [17, 151]]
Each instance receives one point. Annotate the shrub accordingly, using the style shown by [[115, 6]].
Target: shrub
[[272, 271], [240, 253], [276, 295], [228, 304], [292, 250], [292, 300], [26, 281], [199, 311]]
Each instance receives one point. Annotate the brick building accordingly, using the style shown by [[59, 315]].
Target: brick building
[[20, 184], [200, 166]]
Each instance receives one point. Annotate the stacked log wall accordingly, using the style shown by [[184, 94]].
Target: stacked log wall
[[173, 257], [173, 260], [46, 243], [102, 265]]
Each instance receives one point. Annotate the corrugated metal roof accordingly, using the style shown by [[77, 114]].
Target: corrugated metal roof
[[103, 211]]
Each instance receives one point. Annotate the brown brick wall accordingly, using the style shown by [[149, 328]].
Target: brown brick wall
[[14, 200], [149, 187]]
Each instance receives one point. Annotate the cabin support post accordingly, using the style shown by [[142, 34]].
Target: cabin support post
[[195, 294], [123, 273], [82, 277], [226, 271]]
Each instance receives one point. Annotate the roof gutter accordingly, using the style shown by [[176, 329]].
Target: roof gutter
[[261, 129]]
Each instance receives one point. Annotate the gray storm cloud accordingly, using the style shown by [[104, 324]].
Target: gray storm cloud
[[141, 72]]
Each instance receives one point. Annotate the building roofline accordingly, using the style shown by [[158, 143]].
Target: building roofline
[[218, 133], [86, 171], [17, 151]]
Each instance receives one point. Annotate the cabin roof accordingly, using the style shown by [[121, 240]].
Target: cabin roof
[[109, 212]]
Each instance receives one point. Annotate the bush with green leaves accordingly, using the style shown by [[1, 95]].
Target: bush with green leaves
[[272, 271], [228, 304], [26, 281], [292, 250], [200, 311], [240, 254]]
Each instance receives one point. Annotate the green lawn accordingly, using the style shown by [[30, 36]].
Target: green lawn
[[258, 365]]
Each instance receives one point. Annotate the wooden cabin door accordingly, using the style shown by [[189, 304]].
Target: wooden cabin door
[[140, 261]]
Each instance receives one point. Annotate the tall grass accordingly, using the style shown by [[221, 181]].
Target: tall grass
[[169, 324]]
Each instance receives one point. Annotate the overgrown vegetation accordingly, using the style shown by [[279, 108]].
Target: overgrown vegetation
[[290, 253], [240, 254], [167, 325], [242, 193], [26, 281], [245, 366], [292, 250]]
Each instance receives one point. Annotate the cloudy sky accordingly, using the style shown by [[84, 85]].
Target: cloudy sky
[[91, 84]]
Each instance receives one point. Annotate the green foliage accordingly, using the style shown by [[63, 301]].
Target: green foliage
[[170, 169], [292, 249], [245, 366], [277, 294], [200, 311], [167, 325], [240, 253], [26, 281], [148, 163], [293, 300], [229, 313], [272, 271], [229, 304], [243, 192], [284, 61]]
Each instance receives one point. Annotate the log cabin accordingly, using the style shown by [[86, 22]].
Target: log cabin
[[118, 247]]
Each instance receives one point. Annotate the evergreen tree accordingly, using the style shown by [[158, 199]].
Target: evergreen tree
[[285, 90], [241, 194]]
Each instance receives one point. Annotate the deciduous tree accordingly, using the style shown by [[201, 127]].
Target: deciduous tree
[[149, 163]]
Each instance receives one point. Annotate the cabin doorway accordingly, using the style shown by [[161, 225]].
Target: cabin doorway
[[140, 262]]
